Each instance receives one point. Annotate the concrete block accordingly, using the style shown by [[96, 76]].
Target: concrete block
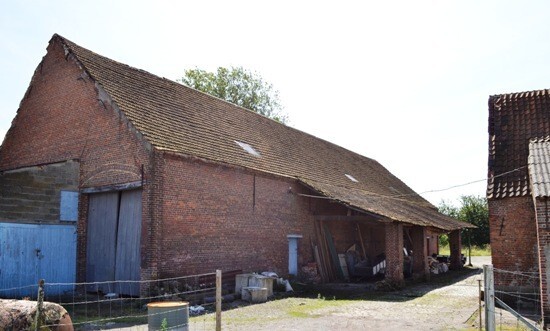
[[241, 280], [254, 294], [263, 282]]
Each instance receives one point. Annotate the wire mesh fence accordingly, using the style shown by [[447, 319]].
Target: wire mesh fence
[[512, 292], [446, 300], [96, 305]]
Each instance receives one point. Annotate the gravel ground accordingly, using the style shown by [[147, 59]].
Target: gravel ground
[[425, 306]]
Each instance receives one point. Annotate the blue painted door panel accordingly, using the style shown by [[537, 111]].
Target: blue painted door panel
[[293, 256], [29, 252]]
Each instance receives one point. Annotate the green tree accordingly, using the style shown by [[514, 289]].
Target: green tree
[[238, 86], [474, 210]]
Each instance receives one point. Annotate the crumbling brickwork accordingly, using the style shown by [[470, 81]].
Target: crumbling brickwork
[[61, 117]]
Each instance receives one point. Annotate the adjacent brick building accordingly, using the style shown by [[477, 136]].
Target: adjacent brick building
[[518, 191], [175, 182]]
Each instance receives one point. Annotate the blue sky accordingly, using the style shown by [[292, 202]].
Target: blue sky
[[403, 82]]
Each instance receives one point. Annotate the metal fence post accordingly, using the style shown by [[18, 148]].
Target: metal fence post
[[218, 300], [39, 303], [489, 287], [479, 302]]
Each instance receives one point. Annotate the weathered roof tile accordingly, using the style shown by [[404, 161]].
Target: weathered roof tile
[[514, 119], [539, 166]]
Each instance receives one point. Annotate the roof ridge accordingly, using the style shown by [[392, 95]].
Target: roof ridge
[[70, 44], [542, 139], [521, 93]]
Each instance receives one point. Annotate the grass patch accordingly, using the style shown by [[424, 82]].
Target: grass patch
[[311, 307], [476, 250]]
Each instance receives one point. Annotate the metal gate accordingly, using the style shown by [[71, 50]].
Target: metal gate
[[113, 241]]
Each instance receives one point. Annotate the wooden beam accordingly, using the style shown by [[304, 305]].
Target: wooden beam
[[114, 187], [356, 218], [361, 239]]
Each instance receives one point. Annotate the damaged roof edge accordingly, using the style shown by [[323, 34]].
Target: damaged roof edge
[[454, 224]]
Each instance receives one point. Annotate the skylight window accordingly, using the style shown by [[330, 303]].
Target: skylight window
[[248, 148], [350, 177]]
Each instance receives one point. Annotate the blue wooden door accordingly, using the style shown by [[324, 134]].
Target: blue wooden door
[[30, 252], [293, 253]]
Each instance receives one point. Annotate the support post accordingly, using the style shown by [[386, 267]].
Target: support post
[[394, 254], [456, 249], [218, 300], [39, 304], [489, 287], [421, 268]]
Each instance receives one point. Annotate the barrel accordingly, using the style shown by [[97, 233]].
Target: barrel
[[176, 315]]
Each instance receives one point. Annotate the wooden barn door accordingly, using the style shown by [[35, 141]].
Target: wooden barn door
[[101, 239], [113, 241], [128, 251]]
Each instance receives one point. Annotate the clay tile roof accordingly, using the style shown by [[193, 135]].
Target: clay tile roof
[[514, 119], [539, 166], [173, 117]]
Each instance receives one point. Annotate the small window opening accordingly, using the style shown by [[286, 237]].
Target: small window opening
[[248, 148], [350, 177]]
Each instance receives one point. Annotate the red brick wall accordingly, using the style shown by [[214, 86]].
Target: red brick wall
[[217, 217], [433, 242], [60, 118], [513, 237], [344, 235], [374, 238]]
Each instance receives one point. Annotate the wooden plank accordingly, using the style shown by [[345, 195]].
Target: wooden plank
[[112, 188], [101, 240], [333, 253], [324, 251], [322, 271], [317, 259], [354, 218], [128, 242], [218, 300], [343, 265], [362, 242]]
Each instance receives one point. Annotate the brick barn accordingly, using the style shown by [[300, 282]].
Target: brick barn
[[519, 189], [167, 181]]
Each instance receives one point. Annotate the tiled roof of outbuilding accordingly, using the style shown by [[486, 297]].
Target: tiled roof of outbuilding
[[179, 119], [514, 119], [539, 166]]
